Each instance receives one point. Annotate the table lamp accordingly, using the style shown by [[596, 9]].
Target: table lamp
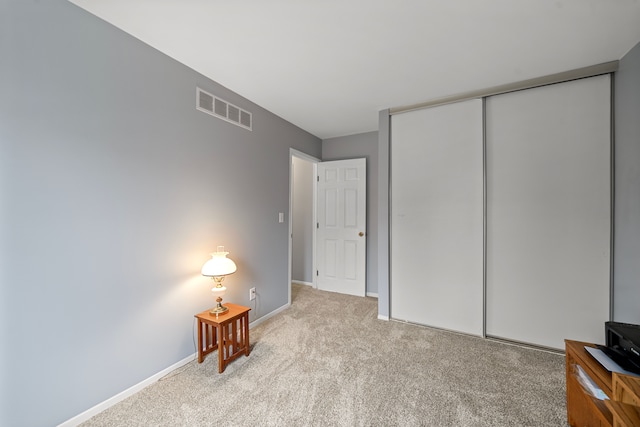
[[217, 268]]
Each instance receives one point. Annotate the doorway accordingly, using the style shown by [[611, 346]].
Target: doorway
[[302, 215], [340, 266]]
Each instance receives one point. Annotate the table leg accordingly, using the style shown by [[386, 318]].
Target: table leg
[[200, 355], [245, 326]]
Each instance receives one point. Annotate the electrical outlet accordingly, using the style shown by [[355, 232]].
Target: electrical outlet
[[252, 294]]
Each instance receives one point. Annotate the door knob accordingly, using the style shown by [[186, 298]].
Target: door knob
[[361, 234]]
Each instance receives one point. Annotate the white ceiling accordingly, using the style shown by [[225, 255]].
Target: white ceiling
[[329, 66]]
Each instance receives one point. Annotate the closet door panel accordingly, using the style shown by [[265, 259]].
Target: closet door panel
[[548, 213], [437, 217]]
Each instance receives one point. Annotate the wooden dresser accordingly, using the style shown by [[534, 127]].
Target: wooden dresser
[[622, 409]]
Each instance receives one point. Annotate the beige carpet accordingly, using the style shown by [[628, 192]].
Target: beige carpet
[[328, 361]]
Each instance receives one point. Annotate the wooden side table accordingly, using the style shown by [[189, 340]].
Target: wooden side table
[[228, 333]]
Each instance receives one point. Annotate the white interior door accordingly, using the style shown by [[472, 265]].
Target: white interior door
[[341, 228]]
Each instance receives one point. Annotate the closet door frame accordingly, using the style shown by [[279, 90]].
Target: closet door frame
[[587, 72]]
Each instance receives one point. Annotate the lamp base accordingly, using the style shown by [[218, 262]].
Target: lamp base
[[219, 309]]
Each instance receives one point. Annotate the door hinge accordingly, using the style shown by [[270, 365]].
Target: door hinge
[[318, 178], [317, 273], [317, 225]]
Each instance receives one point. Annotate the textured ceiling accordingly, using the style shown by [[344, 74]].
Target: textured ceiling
[[329, 66]]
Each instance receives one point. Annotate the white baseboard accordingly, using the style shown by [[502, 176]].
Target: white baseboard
[[80, 418], [300, 282], [372, 294], [381, 317], [91, 412], [268, 315]]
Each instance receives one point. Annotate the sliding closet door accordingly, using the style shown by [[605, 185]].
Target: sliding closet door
[[436, 216], [548, 212]]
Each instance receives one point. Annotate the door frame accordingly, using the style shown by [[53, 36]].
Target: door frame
[[299, 154]]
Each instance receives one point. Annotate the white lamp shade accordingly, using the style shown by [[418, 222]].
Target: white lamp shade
[[218, 265]]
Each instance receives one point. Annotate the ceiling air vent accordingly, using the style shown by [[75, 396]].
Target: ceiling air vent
[[211, 104]]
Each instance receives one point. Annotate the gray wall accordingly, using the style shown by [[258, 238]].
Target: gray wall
[[302, 221], [364, 145], [114, 189], [384, 232], [626, 266]]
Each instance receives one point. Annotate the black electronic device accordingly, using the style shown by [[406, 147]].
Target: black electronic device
[[623, 345]]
